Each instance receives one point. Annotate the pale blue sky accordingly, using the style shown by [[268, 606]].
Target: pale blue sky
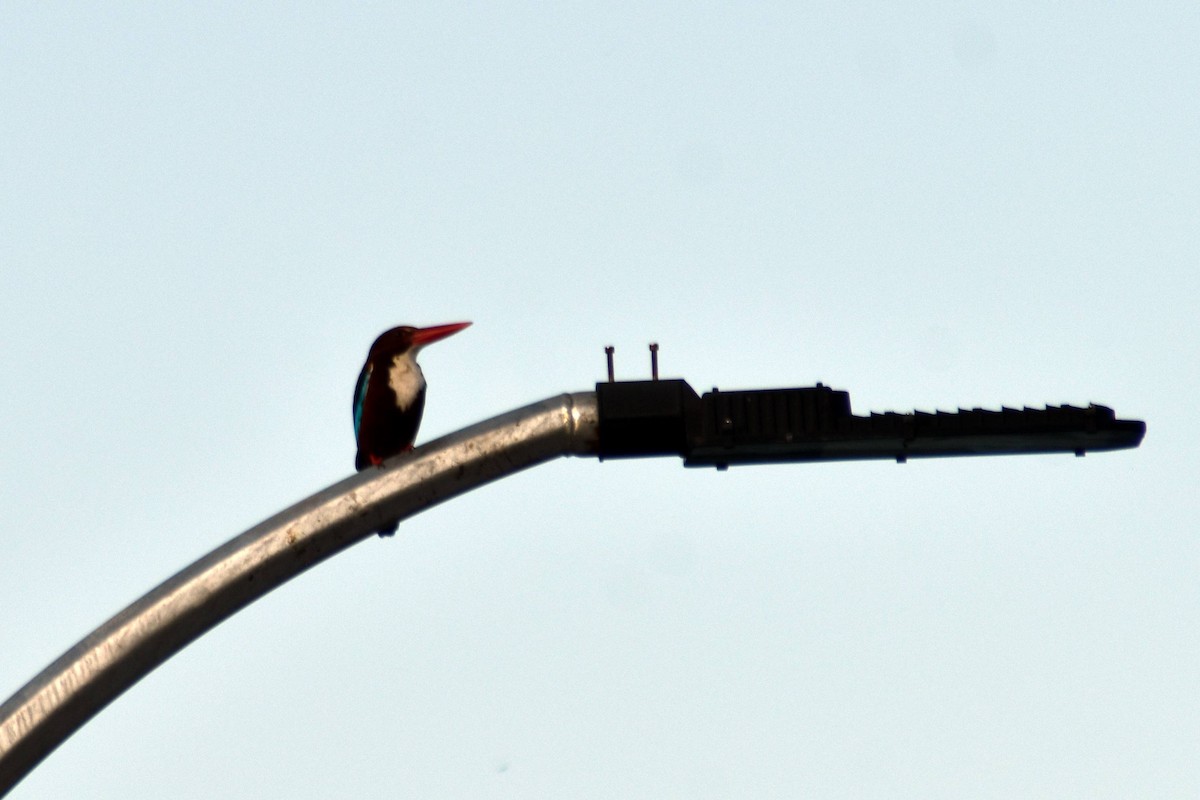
[[209, 212]]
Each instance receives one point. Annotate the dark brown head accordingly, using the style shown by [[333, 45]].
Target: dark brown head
[[404, 338]]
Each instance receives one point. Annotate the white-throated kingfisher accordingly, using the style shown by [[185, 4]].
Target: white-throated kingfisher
[[389, 397]]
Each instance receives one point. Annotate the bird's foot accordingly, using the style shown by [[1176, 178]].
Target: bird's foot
[[377, 461]]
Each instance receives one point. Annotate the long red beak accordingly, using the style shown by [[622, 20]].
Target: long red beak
[[435, 333]]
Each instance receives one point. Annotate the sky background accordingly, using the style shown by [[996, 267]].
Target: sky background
[[207, 212]]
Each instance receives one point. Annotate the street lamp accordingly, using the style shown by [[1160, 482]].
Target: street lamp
[[620, 419]]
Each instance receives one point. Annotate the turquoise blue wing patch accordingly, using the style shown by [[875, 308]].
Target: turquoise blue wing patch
[[360, 396]]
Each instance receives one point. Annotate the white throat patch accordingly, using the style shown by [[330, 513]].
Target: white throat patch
[[405, 379]]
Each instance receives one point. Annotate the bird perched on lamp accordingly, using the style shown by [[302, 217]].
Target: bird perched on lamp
[[389, 397]]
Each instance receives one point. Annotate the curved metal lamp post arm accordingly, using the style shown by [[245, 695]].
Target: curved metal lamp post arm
[[120, 652], [637, 418]]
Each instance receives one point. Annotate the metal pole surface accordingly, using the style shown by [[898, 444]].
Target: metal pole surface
[[56, 703]]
